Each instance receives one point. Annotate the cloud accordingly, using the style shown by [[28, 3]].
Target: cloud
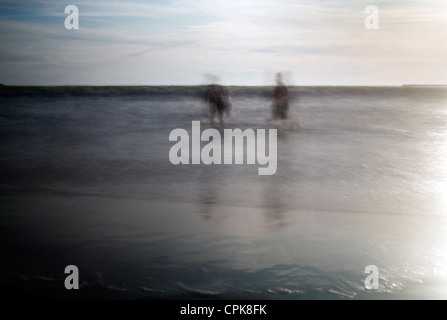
[[127, 42]]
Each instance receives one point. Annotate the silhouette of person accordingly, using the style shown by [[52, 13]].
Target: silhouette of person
[[280, 104], [219, 101]]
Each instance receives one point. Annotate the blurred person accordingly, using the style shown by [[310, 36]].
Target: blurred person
[[219, 102], [280, 104]]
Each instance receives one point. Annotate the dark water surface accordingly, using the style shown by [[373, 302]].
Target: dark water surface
[[87, 181]]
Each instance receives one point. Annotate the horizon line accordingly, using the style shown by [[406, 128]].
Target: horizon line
[[229, 85]]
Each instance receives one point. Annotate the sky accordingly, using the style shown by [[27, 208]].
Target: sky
[[241, 42]]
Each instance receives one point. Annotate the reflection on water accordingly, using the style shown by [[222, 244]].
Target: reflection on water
[[274, 207], [358, 202]]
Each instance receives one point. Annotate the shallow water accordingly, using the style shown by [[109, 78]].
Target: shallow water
[[86, 180]]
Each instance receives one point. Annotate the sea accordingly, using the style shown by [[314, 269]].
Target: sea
[[357, 208]]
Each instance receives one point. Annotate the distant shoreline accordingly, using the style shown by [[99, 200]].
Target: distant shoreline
[[202, 85], [6, 90]]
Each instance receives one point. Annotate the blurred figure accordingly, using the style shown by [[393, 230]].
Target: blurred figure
[[280, 104], [219, 102]]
